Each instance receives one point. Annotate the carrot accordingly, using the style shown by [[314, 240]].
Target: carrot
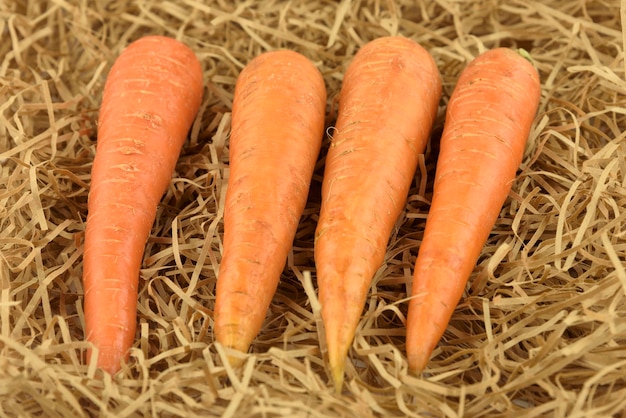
[[278, 118], [150, 99], [387, 106], [488, 121]]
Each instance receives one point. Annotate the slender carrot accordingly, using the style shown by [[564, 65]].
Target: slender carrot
[[488, 120], [150, 99], [387, 106], [277, 128]]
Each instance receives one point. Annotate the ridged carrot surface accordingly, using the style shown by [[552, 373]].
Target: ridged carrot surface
[[278, 119], [488, 121], [387, 105], [151, 97]]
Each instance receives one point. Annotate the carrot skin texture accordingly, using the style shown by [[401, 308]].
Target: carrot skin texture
[[488, 121], [278, 119], [151, 97], [387, 106]]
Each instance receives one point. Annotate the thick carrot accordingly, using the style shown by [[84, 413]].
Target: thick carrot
[[488, 120], [278, 119], [387, 105], [151, 97]]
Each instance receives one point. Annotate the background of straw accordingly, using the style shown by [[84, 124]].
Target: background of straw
[[541, 330]]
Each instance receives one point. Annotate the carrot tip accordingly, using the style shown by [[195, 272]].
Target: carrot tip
[[417, 360], [108, 360], [235, 361], [337, 367], [232, 355], [233, 336], [416, 367], [338, 342]]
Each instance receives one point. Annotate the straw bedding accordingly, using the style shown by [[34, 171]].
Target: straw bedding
[[540, 331]]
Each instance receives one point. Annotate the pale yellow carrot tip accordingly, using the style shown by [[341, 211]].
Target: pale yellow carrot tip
[[417, 363], [337, 354], [416, 370], [235, 362], [337, 368], [233, 355]]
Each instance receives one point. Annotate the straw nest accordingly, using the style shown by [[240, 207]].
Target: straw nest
[[540, 331]]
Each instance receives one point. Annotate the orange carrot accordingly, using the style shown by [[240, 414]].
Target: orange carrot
[[387, 106], [151, 97], [488, 120], [277, 128]]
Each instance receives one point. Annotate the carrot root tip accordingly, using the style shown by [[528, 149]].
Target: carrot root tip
[[337, 368]]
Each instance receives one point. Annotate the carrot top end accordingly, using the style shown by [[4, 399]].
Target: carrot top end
[[525, 54]]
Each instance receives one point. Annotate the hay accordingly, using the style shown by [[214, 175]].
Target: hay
[[541, 330]]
